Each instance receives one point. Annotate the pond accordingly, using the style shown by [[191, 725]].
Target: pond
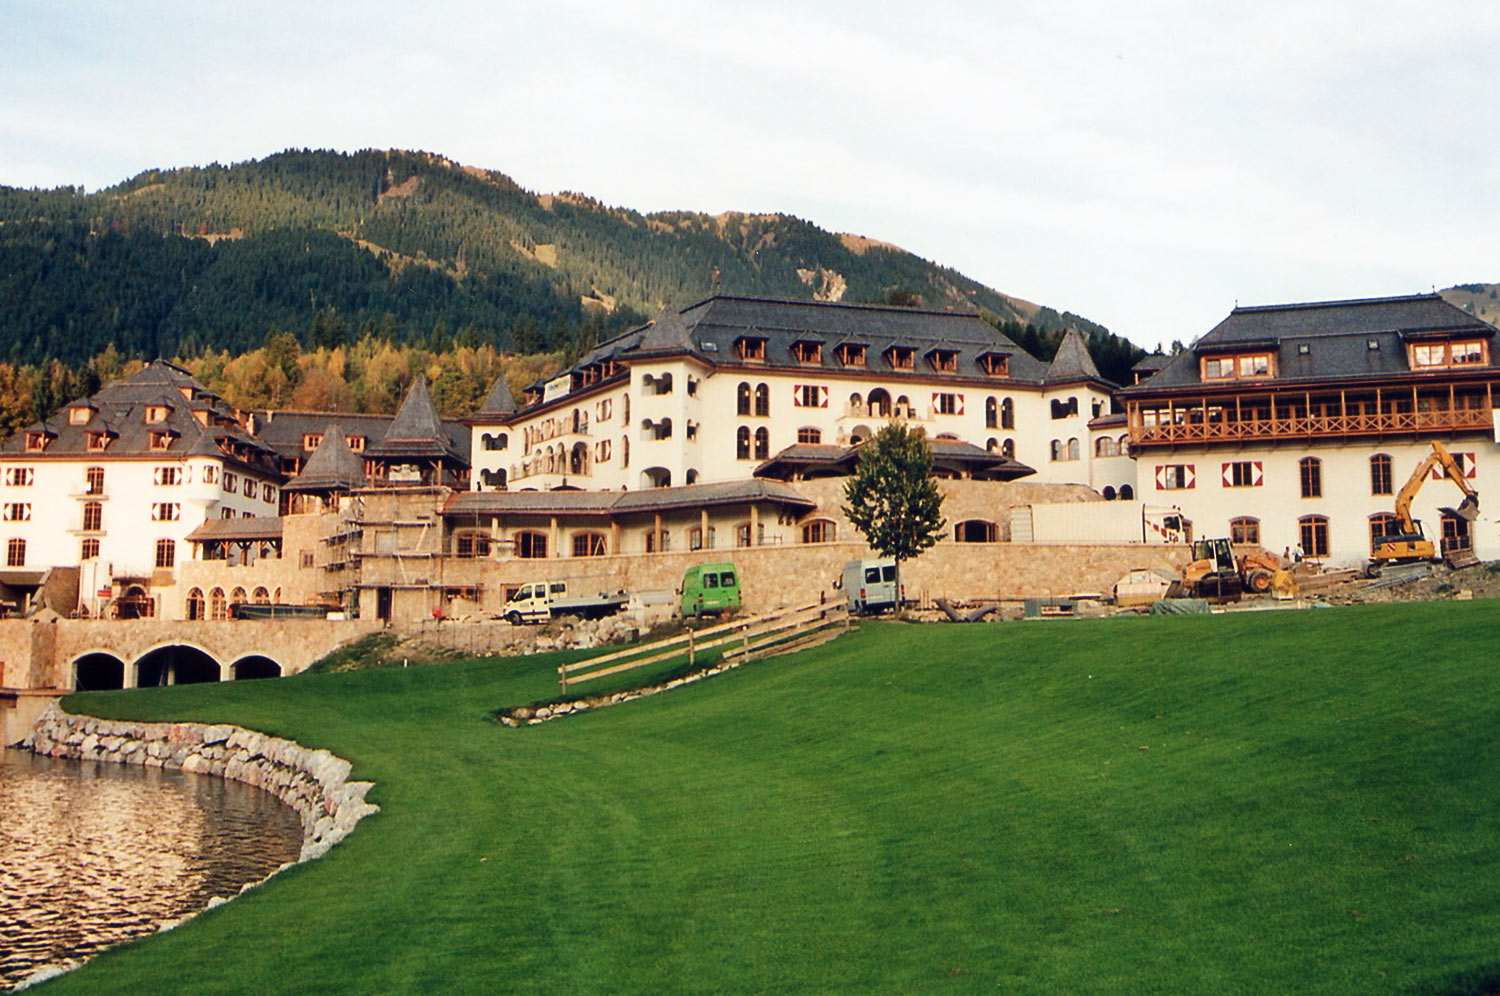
[[92, 854]]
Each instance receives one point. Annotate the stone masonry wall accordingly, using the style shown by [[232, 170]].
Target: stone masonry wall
[[314, 783]]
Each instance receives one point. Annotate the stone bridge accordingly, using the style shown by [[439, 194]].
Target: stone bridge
[[42, 660]]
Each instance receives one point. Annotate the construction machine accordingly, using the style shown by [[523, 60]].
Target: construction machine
[[1217, 575], [1408, 543]]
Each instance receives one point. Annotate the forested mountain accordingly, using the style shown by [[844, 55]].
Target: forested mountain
[[406, 247]]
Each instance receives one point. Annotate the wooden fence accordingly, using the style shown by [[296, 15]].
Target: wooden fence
[[780, 632]]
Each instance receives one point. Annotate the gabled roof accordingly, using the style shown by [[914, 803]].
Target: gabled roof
[[238, 530], [416, 431], [332, 467], [950, 455], [1072, 364], [1326, 340]]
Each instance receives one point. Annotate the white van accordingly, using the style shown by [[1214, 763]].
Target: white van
[[870, 585]]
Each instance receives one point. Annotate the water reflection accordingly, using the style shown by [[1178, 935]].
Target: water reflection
[[92, 854]]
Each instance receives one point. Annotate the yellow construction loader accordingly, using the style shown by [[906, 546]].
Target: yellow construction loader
[[1407, 542]]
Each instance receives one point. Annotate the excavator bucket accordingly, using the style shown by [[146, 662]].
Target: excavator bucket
[[1467, 509]]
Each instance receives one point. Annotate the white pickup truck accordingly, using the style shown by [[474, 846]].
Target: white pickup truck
[[539, 601]]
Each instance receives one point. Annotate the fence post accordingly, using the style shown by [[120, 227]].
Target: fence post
[[744, 641], [692, 653], [562, 677]]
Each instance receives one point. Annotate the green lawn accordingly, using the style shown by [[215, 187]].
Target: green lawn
[[1265, 803]]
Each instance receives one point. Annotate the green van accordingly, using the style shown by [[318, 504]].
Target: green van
[[710, 588]]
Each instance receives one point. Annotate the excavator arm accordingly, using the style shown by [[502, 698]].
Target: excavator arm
[[1439, 457]]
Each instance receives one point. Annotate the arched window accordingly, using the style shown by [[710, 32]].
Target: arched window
[[1057, 449], [578, 459], [742, 443], [1008, 449], [590, 545], [1073, 448], [762, 443], [879, 403], [856, 405], [1123, 446], [260, 596], [742, 534], [217, 609], [166, 554], [93, 481], [195, 604], [494, 441], [818, 531], [992, 445], [238, 596], [1382, 524], [809, 434], [976, 531], [1380, 474], [93, 516], [742, 399], [691, 477], [1310, 471], [624, 451], [1108, 492], [1126, 492], [991, 414], [696, 538], [651, 541], [1104, 446], [1244, 530], [1007, 414], [530, 545], [762, 399], [656, 477], [1313, 530], [903, 406]]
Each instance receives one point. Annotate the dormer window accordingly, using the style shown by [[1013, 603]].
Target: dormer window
[[187, 392], [943, 360], [806, 351], [901, 357], [355, 443], [80, 414], [1240, 366], [157, 413], [37, 440], [751, 347], [995, 364], [853, 354], [310, 440], [161, 439], [99, 440], [1460, 353]]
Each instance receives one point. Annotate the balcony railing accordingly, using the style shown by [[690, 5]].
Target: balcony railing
[[1310, 426]]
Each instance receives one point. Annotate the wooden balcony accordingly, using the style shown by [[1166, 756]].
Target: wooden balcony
[[1192, 428]]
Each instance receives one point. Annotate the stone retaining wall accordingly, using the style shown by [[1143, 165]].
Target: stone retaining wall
[[313, 782]]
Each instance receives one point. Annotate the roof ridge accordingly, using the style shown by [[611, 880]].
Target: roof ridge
[[1309, 305]]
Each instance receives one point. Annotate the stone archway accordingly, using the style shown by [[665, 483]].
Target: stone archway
[[255, 666], [175, 664], [98, 672]]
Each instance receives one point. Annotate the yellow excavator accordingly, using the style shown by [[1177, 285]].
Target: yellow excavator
[[1407, 543]]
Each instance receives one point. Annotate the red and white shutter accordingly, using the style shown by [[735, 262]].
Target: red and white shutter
[[796, 395], [823, 397], [1189, 478]]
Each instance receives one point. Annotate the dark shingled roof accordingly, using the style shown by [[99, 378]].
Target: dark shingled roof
[[119, 412], [416, 430], [246, 530], [947, 454], [615, 503], [500, 401], [709, 330], [1325, 340], [1072, 364], [332, 467]]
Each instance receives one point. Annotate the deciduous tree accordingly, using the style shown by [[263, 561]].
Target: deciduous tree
[[893, 499]]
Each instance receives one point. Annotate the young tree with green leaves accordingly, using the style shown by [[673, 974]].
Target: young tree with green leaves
[[893, 499]]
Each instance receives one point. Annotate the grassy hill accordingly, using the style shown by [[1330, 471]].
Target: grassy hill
[[407, 245], [1263, 803]]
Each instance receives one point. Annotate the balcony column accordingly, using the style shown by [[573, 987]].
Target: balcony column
[[754, 525], [703, 527], [555, 537]]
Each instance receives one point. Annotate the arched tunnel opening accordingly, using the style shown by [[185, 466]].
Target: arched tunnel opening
[[255, 666], [175, 665], [98, 672]]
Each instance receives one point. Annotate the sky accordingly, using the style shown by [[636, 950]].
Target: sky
[[1147, 164]]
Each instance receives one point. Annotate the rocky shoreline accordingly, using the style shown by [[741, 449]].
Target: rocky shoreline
[[314, 783]]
